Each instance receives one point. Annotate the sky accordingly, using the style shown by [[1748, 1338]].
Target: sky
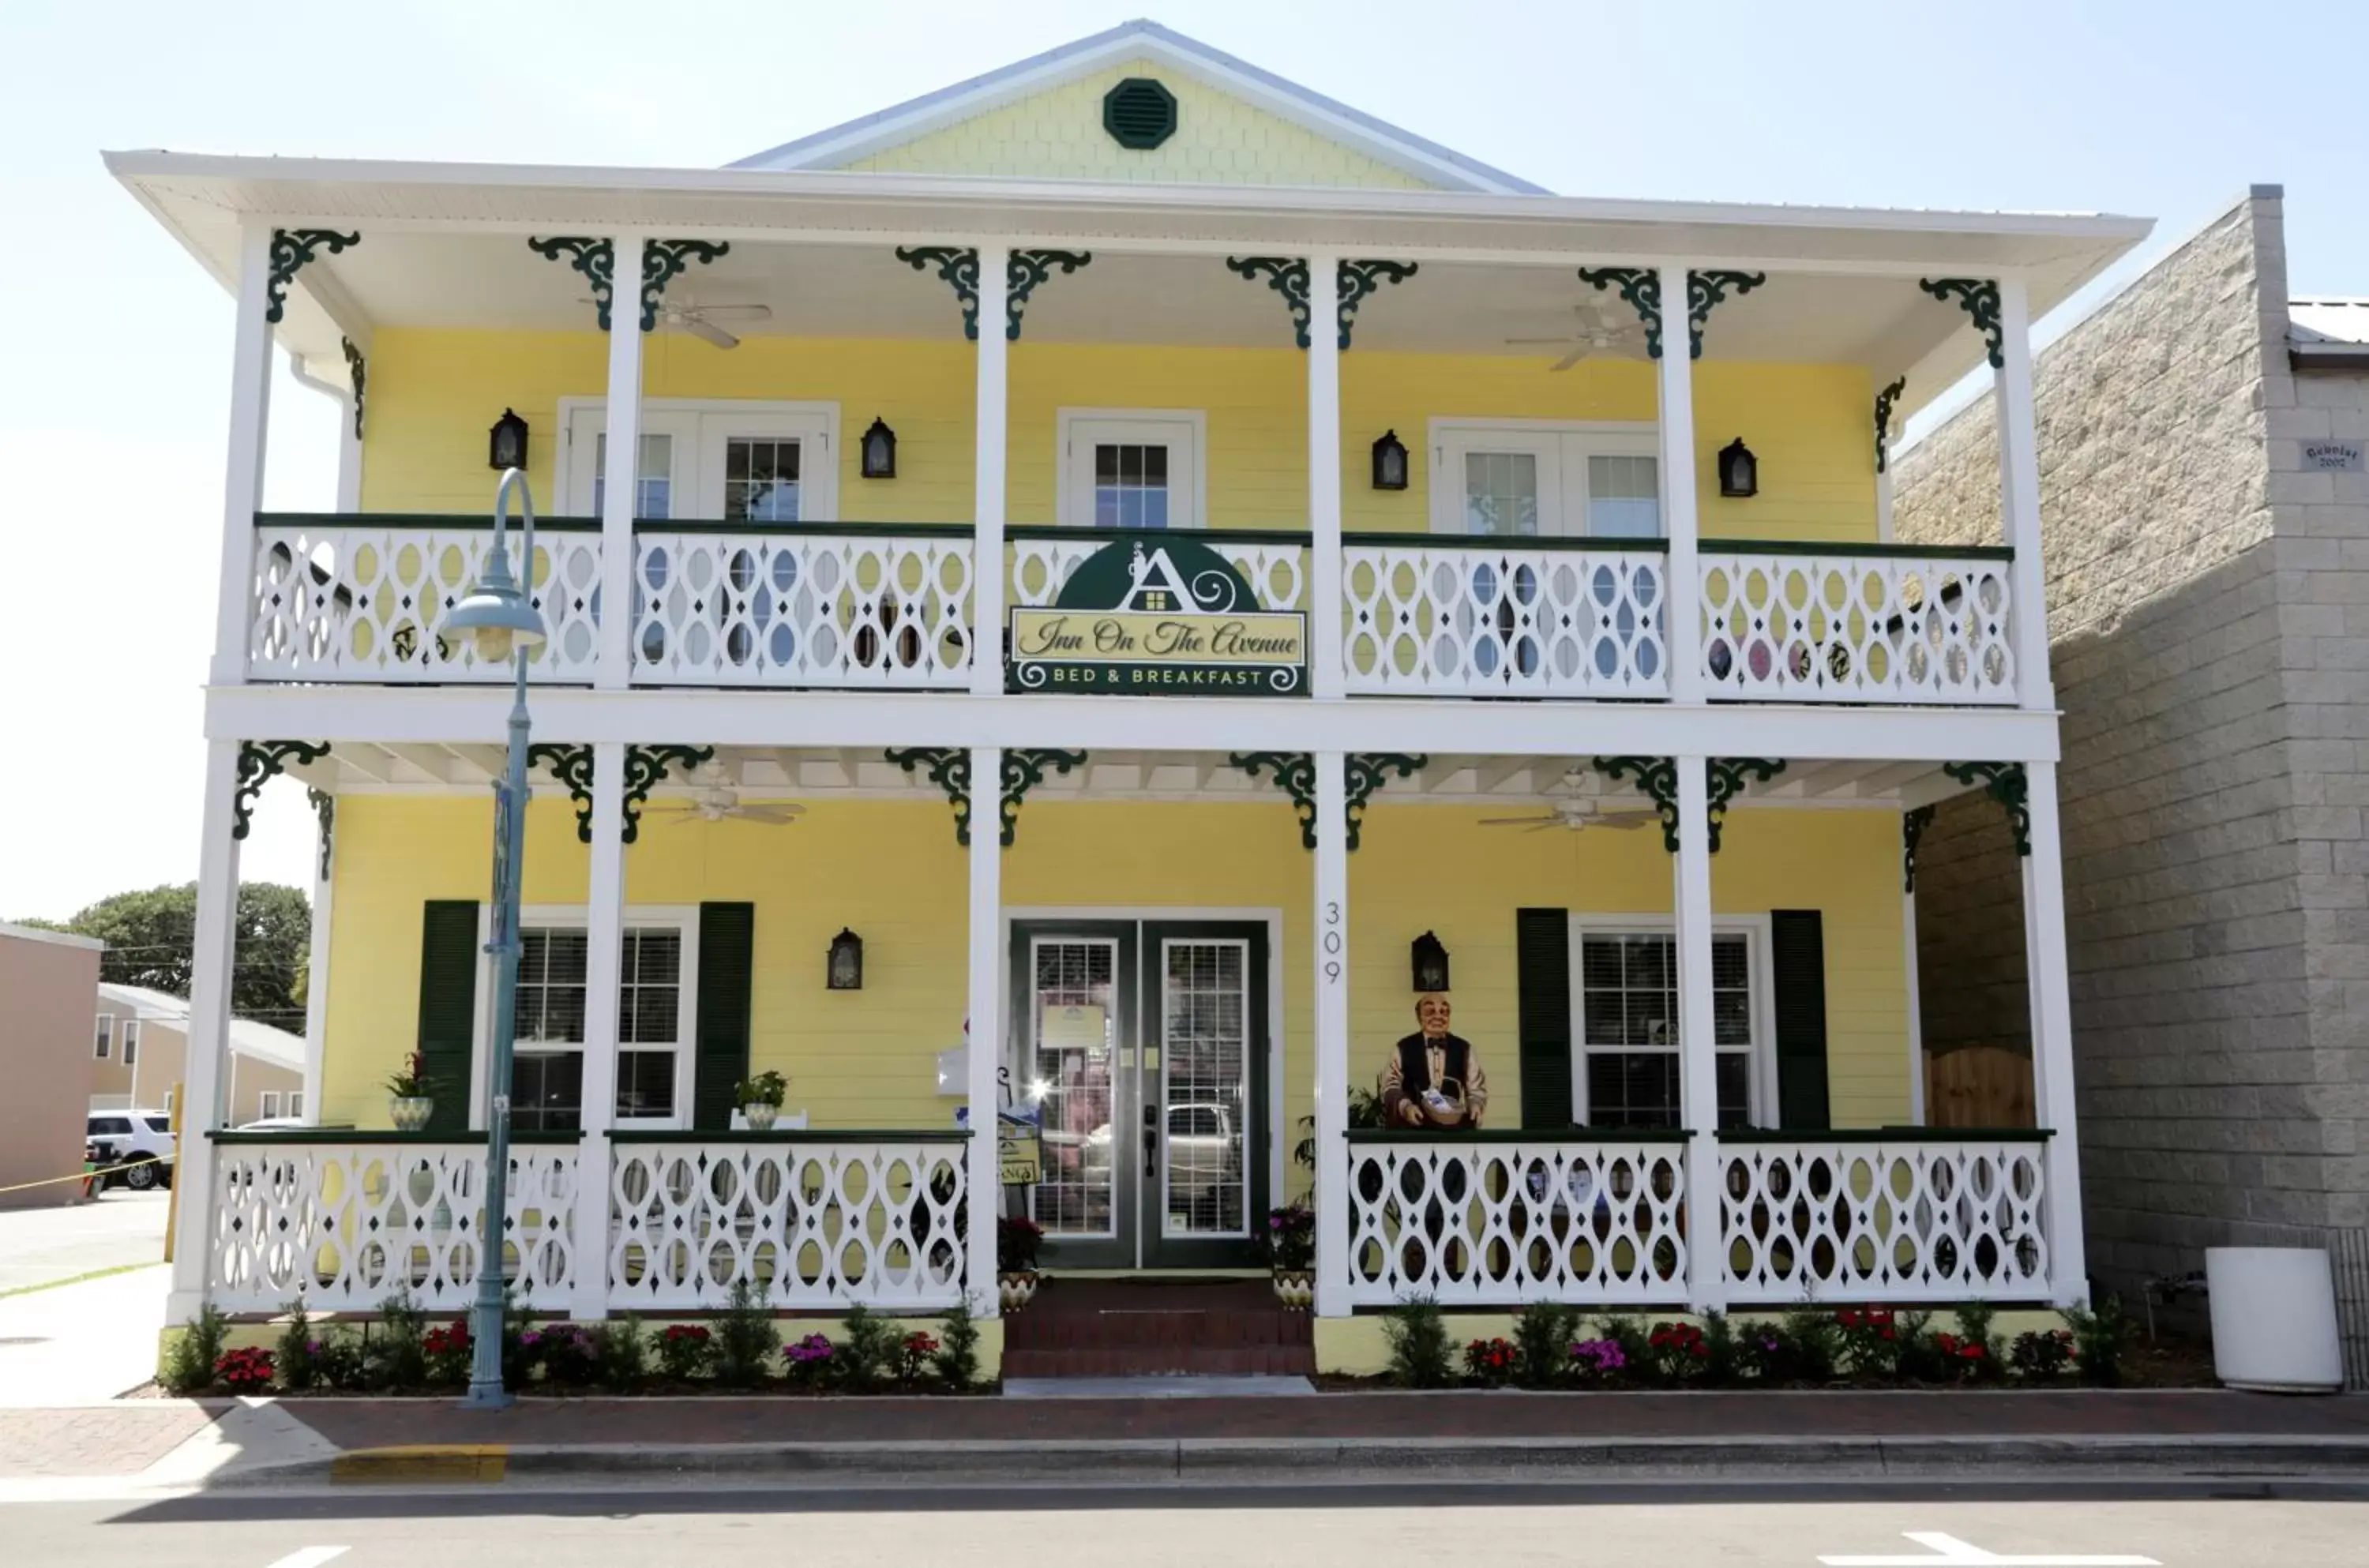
[[115, 355]]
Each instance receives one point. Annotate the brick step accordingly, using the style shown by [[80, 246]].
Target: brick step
[[1233, 1361], [1119, 1330]]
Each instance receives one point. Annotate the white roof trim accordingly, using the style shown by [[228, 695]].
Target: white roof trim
[[1140, 40]]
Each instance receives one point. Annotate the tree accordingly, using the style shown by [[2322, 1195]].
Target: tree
[[151, 937]]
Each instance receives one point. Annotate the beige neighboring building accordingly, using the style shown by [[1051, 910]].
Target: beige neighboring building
[[45, 984], [139, 1038]]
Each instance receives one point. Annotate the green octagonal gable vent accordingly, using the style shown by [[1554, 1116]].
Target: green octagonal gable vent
[[1140, 113]]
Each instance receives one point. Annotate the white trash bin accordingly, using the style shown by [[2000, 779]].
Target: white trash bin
[[2274, 1319]]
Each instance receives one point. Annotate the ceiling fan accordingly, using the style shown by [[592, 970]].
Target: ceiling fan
[[717, 801], [1597, 330], [1578, 805], [699, 320]]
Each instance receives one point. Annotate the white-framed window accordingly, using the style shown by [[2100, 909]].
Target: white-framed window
[[1523, 478], [171, 1098], [131, 1042], [268, 1104], [1132, 468], [709, 460], [102, 1043], [295, 1102], [655, 1014], [1625, 1062]]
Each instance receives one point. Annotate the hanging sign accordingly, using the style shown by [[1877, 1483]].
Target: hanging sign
[[1019, 1150], [1085, 1028], [1165, 618]]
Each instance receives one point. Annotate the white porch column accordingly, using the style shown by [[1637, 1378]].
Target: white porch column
[[1682, 614], [604, 922], [208, 1037], [1698, 1040], [620, 475], [987, 504], [250, 411], [1332, 954], [316, 969], [1326, 665], [2020, 495], [2051, 1036], [985, 1046]]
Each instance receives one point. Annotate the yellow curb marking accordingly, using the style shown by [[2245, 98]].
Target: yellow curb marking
[[421, 1461]]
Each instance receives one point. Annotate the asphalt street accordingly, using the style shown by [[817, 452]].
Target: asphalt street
[[1396, 1527], [42, 1246]]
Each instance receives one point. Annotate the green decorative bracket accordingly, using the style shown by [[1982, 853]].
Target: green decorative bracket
[[1885, 401], [959, 267], [360, 371], [1723, 779], [1912, 823], [291, 249], [1705, 289], [571, 765], [1295, 774], [1022, 273], [645, 766], [948, 767], [1642, 287], [260, 761], [1366, 773], [1657, 778], [1024, 769], [1979, 297], [1359, 279], [663, 260], [1287, 276], [596, 258], [324, 807], [2006, 784]]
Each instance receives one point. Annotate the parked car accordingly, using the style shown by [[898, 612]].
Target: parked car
[[142, 1139]]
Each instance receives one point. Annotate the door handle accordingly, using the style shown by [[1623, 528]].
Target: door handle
[[1150, 1143]]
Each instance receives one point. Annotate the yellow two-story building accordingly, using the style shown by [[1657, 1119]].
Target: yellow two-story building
[[1083, 598]]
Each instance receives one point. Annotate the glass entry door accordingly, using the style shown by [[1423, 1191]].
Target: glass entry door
[[1144, 1044]]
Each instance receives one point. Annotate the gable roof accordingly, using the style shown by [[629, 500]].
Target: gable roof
[[1142, 40], [247, 1038]]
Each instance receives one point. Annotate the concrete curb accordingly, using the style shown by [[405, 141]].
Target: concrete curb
[[1254, 1462]]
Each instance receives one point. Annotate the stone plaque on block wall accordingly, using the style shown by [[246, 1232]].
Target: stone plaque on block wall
[[2334, 457]]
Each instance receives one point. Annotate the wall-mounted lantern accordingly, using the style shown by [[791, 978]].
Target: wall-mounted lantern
[[1430, 964], [506, 443], [879, 450], [1739, 471], [1390, 463], [846, 967]]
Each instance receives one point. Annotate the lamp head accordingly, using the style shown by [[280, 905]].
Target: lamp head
[[494, 614]]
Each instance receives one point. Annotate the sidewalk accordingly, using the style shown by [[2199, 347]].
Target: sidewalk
[[84, 1343], [2064, 1434]]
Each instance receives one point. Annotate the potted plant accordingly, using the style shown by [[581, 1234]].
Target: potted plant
[[759, 1098], [1017, 1241], [1291, 1254], [411, 1094]]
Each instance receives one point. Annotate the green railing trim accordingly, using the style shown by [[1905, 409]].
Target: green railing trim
[[463, 522], [306, 1134], [1891, 1135], [1865, 552], [1516, 1135], [1216, 538], [1385, 538], [794, 1135], [803, 529]]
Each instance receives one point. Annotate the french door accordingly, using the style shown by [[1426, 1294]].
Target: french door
[[754, 465], [1143, 1045]]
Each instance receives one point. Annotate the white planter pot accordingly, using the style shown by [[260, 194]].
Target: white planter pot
[[2274, 1319], [409, 1113], [759, 1117]]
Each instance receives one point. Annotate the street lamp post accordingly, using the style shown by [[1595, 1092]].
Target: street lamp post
[[499, 617]]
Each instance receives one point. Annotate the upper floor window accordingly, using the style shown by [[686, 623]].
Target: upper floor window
[[1534, 479], [131, 1042], [1126, 469], [102, 1043], [723, 461]]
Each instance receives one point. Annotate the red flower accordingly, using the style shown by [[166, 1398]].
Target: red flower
[[1888, 1333], [1700, 1348], [1850, 1320], [1971, 1352]]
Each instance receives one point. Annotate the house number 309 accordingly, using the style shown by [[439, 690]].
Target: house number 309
[[1332, 944]]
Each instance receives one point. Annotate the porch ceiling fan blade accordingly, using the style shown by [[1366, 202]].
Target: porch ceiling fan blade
[[1566, 338], [1625, 819], [1577, 354], [1549, 820], [779, 816], [699, 326]]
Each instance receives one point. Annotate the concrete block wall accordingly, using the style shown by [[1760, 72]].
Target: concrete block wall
[[2207, 601]]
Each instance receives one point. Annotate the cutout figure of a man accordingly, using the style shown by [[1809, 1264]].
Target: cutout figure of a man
[[1433, 1071]]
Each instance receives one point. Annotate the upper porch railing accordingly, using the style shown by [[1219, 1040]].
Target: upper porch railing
[[358, 598]]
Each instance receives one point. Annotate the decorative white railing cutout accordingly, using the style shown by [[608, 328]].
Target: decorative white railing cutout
[[1479, 619], [1923, 1218], [1039, 567], [1468, 1222], [1854, 626]]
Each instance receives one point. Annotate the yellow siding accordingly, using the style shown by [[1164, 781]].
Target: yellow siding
[[434, 393], [891, 870], [1058, 134]]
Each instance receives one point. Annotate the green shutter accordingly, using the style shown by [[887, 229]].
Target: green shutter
[[1542, 993], [448, 1006], [726, 937], [1798, 956]]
